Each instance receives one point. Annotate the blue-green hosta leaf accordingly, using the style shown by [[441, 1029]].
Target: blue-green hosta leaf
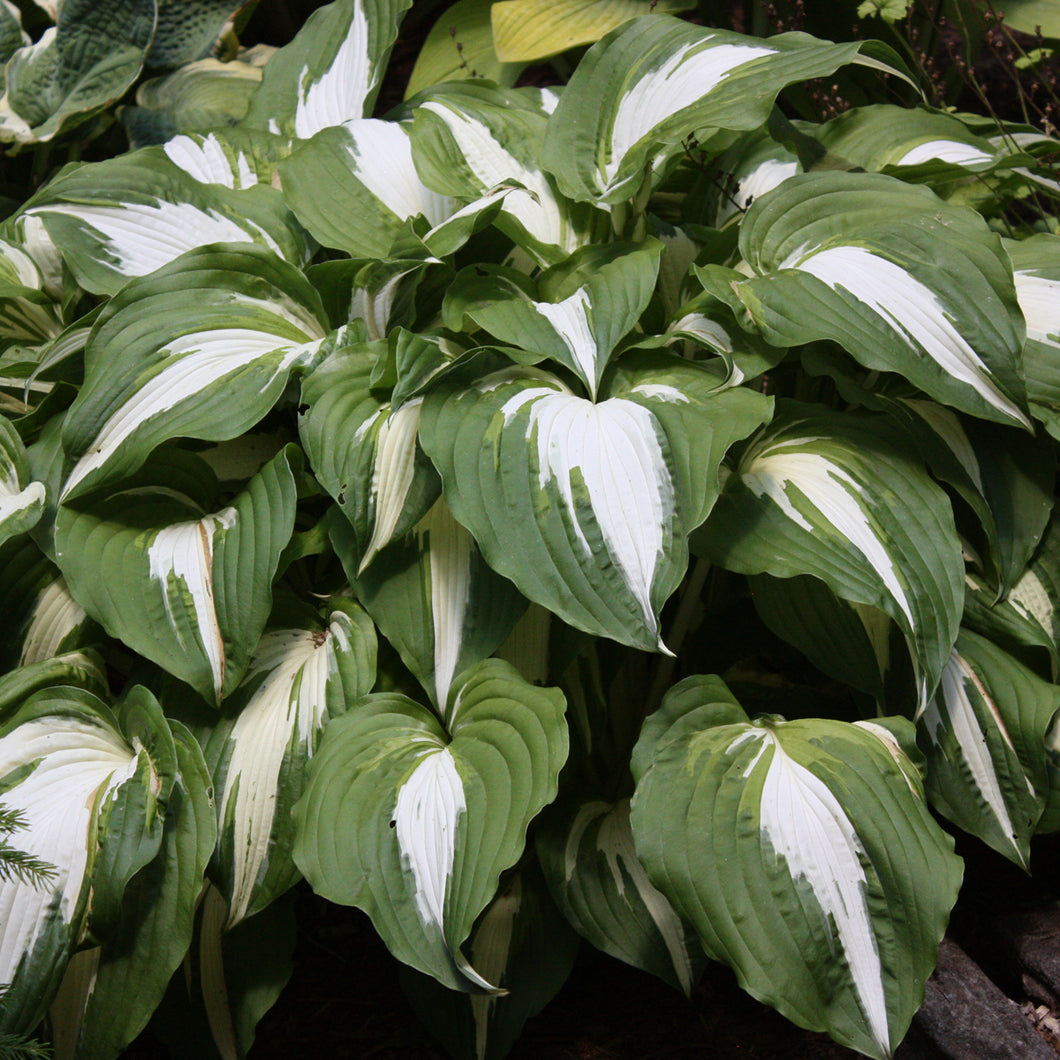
[[129, 216], [600, 884], [470, 138], [207, 94], [331, 71], [296, 680], [1036, 262], [838, 497], [110, 992], [580, 329], [87, 61], [365, 452], [201, 349], [182, 582], [587, 506], [436, 601], [90, 797], [804, 855], [984, 737], [188, 30], [355, 185], [653, 82], [21, 500], [12, 35], [414, 822], [903, 281]]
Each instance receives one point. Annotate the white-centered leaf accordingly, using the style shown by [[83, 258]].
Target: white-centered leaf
[[804, 855], [21, 500]]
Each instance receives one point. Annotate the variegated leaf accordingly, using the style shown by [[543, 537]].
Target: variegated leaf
[[586, 506], [129, 216], [903, 281], [201, 349], [92, 799], [837, 496], [296, 681], [414, 821], [599, 883], [656, 80], [435, 599], [21, 500], [331, 71], [172, 573], [984, 736], [804, 855], [365, 452]]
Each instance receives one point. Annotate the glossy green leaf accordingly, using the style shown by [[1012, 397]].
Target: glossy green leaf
[[543, 479], [414, 821], [804, 855], [177, 577]]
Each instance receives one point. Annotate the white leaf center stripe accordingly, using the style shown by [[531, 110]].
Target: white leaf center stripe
[[184, 552], [807, 826], [912, 310], [966, 729], [340, 92], [204, 160], [55, 614], [611, 450], [538, 212], [836, 496], [679, 82], [13, 501], [392, 472], [954, 151], [1039, 298], [947, 426], [450, 574], [1031, 598], [289, 706], [78, 763], [142, 237], [428, 808], [381, 154], [570, 321]]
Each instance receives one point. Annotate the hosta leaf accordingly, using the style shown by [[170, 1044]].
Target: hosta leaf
[[545, 481], [461, 45], [187, 30], [90, 800], [528, 30], [365, 452], [354, 186], [469, 138], [903, 281], [129, 216], [984, 737], [184, 583], [414, 823], [521, 942], [838, 497], [87, 61], [201, 349], [27, 311], [296, 680], [580, 329], [600, 885], [436, 601], [110, 992], [654, 81], [804, 855], [331, 71], [12, 35], [74, 669], [232, 158], [1037, 270], [21, 500]]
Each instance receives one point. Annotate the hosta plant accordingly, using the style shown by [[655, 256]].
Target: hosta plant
[[615, 511]]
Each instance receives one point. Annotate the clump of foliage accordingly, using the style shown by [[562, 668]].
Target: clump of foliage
[[414, 504]]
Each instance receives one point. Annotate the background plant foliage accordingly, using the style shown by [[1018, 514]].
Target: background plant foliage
[[408, 503]]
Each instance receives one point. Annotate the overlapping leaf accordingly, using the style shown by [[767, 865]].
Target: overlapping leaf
[[838, 497], [903, 281], [21, 500], [586, 506], [414, 822], [804, 855], [201, 349], [177, 577]]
